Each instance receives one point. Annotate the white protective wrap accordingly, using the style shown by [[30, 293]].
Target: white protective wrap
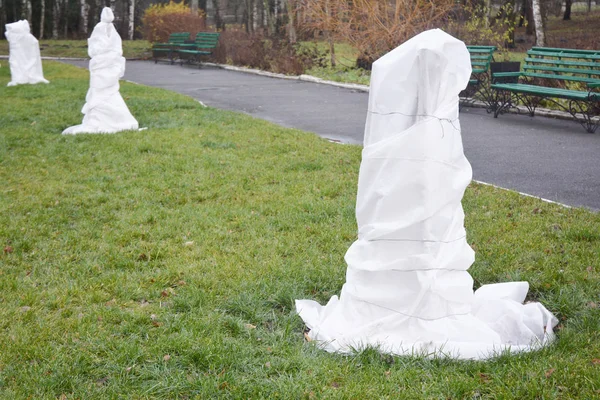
[[105, 110], [407, 288], [24, 55]]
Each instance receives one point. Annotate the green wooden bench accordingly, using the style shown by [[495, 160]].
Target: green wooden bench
[[568, 78], [481, 57], [204, 45], [169, 50]]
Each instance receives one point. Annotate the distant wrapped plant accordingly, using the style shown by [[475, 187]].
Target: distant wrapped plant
[[160, 20]]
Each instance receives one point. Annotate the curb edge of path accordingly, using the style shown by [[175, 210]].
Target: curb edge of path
[[542, 112]]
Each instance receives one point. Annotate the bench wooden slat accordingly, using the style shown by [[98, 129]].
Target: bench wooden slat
[[581, 71], [562, 62], [592, 56], [546, 91]]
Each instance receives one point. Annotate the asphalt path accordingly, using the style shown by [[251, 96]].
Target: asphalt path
[[549, 158]]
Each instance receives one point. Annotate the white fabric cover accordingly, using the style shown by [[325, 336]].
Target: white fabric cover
[[407, 288], [24, 55], [105, 110]]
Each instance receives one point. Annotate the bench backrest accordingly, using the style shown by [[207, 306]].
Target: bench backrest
[[481, 57], [179, 37], [564, 64], [207, 40]]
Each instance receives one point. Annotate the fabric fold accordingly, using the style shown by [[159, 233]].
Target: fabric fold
[[24, 55], [105, 110], [408, 290]]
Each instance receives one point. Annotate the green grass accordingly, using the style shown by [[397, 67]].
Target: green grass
[[164, 263], [78, 48]]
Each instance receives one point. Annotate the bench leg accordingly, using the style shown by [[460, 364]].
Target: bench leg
[[584, 113], [499, 101], [530, 102]]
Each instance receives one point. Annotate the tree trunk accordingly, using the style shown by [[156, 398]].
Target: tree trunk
[[42, 18], [590, 5], [567, 15], [65, 11], [194, 6], [327, 33], [270, 19], [254, 16], [98, 10], [132, 18], [539, 24], [83, 10], [2, 16], [291, 21], [55, 19]]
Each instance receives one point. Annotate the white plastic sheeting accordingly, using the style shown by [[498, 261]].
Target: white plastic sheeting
[[24, 55], [407, 288], [105, 110]]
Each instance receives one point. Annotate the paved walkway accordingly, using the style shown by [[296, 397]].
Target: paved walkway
[[553, 159]]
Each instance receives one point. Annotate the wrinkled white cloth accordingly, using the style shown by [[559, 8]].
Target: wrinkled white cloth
[[24, 55], [407, 290], [105, 110]]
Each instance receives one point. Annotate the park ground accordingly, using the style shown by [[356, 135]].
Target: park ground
[[164, 263]]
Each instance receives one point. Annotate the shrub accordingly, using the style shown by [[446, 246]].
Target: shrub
[[160, 20], [257, 51]]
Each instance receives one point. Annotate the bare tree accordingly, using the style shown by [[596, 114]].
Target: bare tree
[[539, 23], [194, 6]]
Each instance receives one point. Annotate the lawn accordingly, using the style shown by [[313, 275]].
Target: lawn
[[78, 48], [164, 263]]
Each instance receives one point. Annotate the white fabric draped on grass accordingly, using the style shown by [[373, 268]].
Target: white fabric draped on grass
[[24, 55], [407, 290], [105, 110]]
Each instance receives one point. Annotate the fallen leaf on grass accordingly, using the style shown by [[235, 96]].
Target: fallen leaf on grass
[[268, 364], [156, 324], [596, 361], [25, 308], [189, 244], [591, 304], [250, 326], [306, 337], [549, 372], [166, 357], [8, 250], [484, 377]]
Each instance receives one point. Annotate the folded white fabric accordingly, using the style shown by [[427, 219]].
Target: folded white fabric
[[105, 110], [24, 55], [407, 290]]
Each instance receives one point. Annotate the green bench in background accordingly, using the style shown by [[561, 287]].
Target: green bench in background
[[481, 57], [169, 50], [204, 45], [568, 78]]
